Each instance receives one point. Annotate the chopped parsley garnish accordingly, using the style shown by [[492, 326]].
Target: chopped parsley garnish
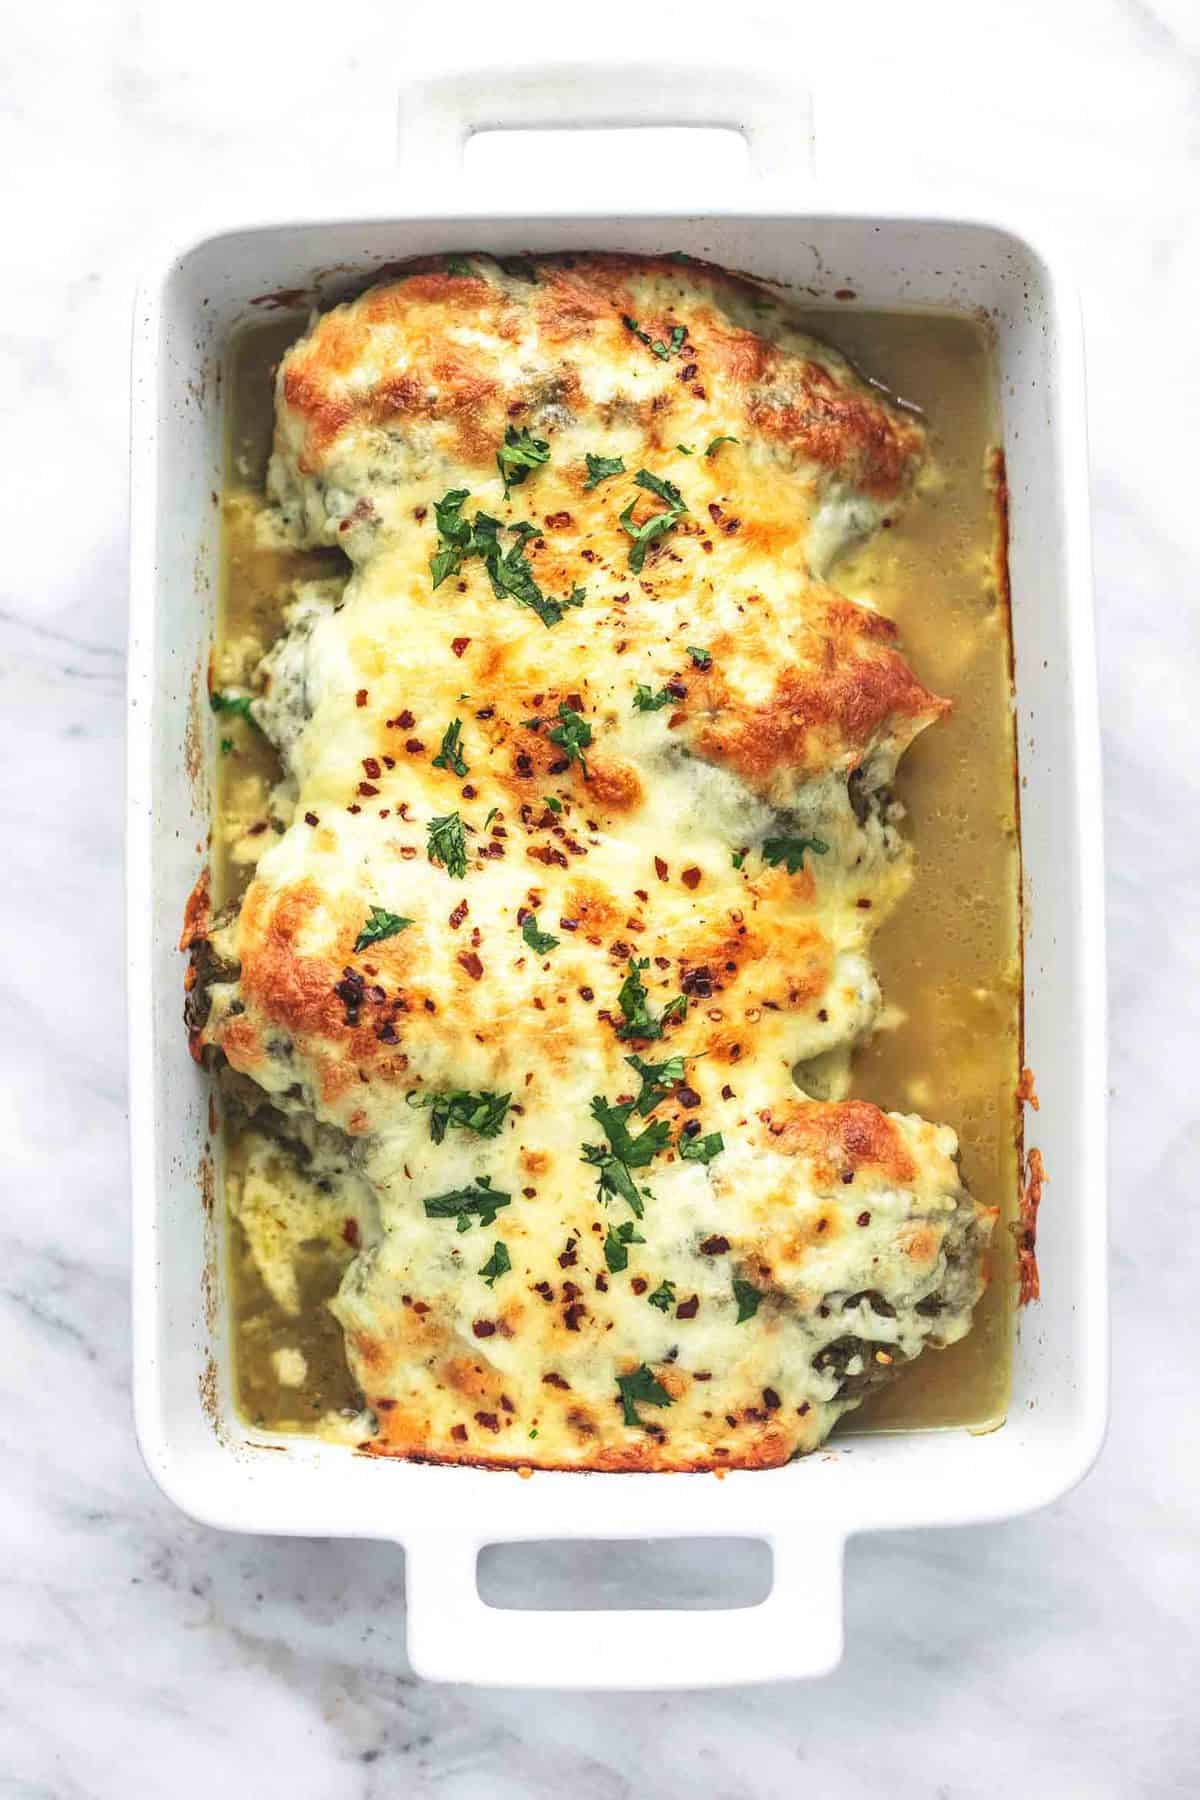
[[657, 1081], [540, 942], [642, 1388], [701, 658], [616, 1252], [232, 703], [602, 468], [738, 858], [447, 844], [498, 1263], [226, 746], [666, 490], [623, 1152], [511, 574], [718, 441], [638, 1021], [455, 535], [553, 802], [747, 1297], [450, 755], [480, 1199], [645, 700], [492, 812], [685, 449], [701, 1149], [658, 524], [379, 924], [790, 851], [482, 1113], [663, 1296], [508, 571], [458, 265], [517, 455], [572, 734], [661, 350]]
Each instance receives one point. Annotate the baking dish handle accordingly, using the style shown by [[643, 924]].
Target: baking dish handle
[[454, 1636], [439, 114]]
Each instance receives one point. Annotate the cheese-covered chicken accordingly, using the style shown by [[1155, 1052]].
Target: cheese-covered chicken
[[569, 932]]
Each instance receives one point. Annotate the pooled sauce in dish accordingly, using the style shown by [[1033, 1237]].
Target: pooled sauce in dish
[[948, 959]]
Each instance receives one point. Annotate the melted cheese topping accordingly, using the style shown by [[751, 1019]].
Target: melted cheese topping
[[693, 881]]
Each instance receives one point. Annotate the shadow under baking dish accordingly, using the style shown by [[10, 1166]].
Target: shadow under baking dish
[[949, 960]]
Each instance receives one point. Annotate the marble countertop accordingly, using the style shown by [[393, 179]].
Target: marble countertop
[[141, 1654]]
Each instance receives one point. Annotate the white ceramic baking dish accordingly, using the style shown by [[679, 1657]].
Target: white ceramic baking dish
[[213, 1465]]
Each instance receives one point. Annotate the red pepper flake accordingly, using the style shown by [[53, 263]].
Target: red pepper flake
[[573, 1314], [559, 521], [458, 645], [586, 993], [805, 1408], [404, 719], [257, 830], [471, 963], [459, 1433], [567, 1260], [311, 819], [638, 1285], [691, 877], [350, 1233], [489, 1421], [687, 1096], [714, 1246], [414, 746], [687, 1309], [864, 1218], [358, 809], [458, 915], [366, 789], [360, 699], [771, 1400], [727, 1092], [556, 1381], [483, 1328], [660, 868]]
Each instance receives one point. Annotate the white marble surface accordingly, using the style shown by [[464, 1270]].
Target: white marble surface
[[142, 1655]]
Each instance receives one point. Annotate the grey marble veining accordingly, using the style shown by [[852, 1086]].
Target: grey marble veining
[[143, 1655]]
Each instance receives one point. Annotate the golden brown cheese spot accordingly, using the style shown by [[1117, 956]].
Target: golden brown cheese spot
[[852, 1135], [832, 705]]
